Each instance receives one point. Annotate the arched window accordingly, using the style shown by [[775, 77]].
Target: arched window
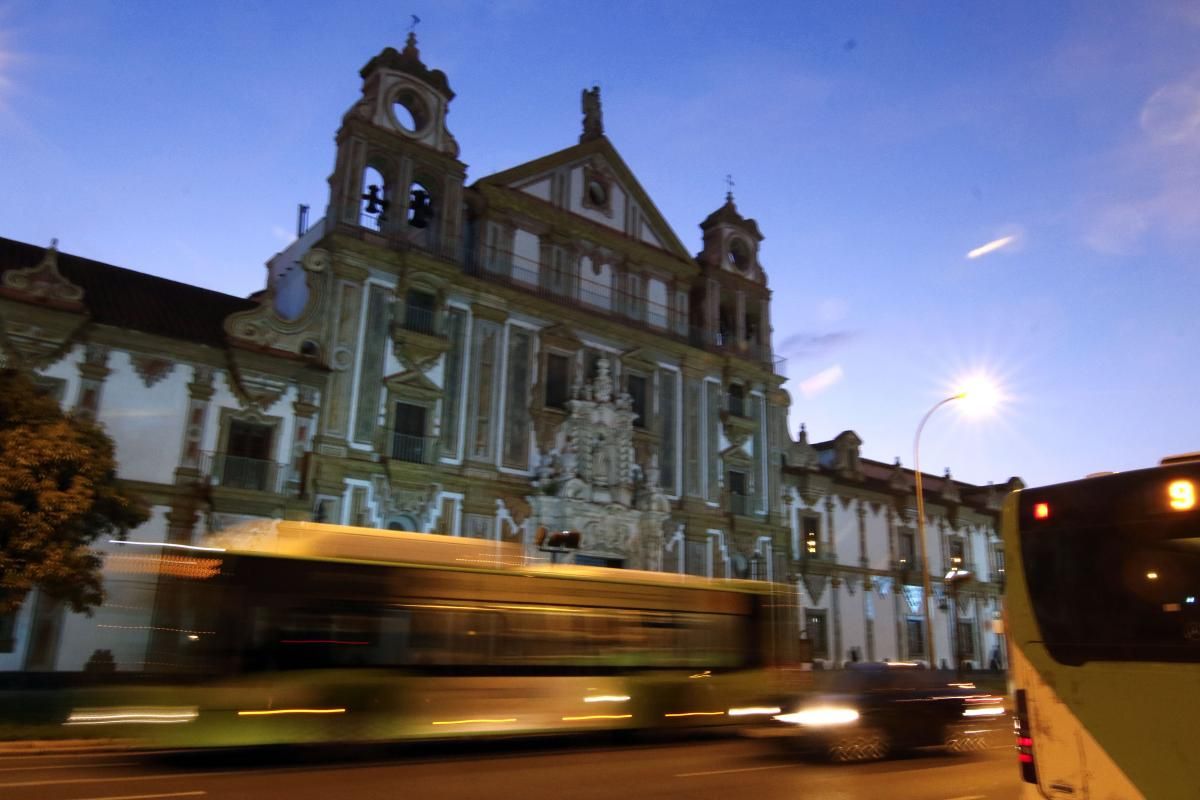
[[375, 199], [420, 205]]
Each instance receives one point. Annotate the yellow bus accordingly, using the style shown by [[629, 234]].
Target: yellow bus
[[288, 632], [1103, 630]]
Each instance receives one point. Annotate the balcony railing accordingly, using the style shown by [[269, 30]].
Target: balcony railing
[[241, 472], [742, 504], [567, 287], [414, 449], [736, 404], [420, 319]]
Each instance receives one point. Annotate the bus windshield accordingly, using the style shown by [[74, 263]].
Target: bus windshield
[[1113, 574]]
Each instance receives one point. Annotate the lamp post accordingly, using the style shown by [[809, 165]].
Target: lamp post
[[922, 550]]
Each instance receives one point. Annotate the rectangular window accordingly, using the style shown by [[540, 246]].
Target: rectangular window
[[965, 644], [810, 529], [516, 407], [636, 386], [957, 551], [456, 326], [668, 389], [737, 400], [817, 632], [483, 390], [375, 337], [915, 637], [246, 463], [696, 562], [998, 554], [908, 552], [738, 499], [408, 434], [558, 378], [419, 310]]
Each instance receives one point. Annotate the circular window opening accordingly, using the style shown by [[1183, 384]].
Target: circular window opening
[[739, 254], [597, 192], [410, 111]]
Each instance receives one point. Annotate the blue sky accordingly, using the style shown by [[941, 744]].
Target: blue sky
[[876, 144]]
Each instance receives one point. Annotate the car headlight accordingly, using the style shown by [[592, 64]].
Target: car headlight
[[820, 716]]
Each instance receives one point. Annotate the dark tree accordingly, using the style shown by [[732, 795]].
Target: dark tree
[[58, 494]]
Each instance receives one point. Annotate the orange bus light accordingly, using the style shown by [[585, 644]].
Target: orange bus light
[[1041, 510]]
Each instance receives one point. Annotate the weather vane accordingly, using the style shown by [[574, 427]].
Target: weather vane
[[412, 28], [729, 187]]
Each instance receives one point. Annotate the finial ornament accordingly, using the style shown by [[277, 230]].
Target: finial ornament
[[593, 117], [729, 188]]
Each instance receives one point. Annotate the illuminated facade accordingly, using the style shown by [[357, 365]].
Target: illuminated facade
[[536, 350]]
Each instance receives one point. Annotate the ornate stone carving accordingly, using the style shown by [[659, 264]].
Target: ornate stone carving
[[589, 481], [593, 115], [263, 326], [258, 388], [151, 369], [44, 283]]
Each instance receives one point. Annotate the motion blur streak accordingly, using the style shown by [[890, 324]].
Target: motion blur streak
[[113, 716], [276, 711], [696, 714], [990, 711], [753, 710], [606, 698], [597, 716], [472, 721]]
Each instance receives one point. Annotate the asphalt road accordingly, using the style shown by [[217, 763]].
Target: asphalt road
[[731, 769]]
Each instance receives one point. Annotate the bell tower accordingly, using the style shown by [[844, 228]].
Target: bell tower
[[731, 301], [397, 171]]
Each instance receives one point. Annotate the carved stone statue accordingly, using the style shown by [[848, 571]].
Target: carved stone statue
[[603, 383], [593, 120]]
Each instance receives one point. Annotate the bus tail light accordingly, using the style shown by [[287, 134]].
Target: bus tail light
[[1041, 510], [1024, 739]]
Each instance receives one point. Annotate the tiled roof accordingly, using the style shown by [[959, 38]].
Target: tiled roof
[[134, 300]]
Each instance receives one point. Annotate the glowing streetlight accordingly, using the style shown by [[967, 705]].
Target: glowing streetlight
[[979, 395]]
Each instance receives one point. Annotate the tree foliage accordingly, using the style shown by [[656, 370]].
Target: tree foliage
[[58, 494]]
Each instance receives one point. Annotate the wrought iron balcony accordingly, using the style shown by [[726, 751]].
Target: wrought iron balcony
[[242, 472], [743, 505], [414, 449], [420, 320]]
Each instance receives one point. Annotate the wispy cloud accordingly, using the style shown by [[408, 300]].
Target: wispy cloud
[[821, 381], [992, 246], [1153, 184], [282, 234], [811, 345]]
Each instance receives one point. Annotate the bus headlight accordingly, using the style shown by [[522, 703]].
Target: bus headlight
[[820, 716]]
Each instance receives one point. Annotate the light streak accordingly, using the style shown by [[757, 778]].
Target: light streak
[[168, 544], [597, 716], [696, 714], [606, 698], [277, 711], [991, 246], [473, 721]]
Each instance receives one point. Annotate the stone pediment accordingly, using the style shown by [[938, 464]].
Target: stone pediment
[[560, 337], [414, 384], [639, 359], [594, 161]]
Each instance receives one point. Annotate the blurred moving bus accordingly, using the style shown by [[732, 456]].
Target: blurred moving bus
[[1103, 583], [302, 632]]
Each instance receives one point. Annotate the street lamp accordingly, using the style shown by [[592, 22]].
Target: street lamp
[[930, 648], [981, 395]]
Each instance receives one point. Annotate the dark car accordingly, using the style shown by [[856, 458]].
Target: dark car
[[867, 711]]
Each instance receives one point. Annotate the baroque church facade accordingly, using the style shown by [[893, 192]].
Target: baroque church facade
[[535, 351]]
